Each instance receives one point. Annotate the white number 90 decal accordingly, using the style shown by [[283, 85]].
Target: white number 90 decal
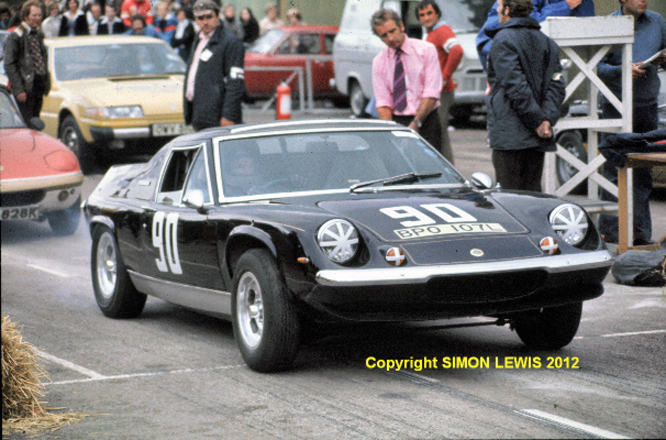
[[165, 239], [445, 211]]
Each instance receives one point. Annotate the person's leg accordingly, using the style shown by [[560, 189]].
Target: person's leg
[[431, 130], [531, 169], [645, 120], [507, 169], [445, 102]]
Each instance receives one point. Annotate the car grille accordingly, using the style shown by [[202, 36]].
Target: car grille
[[484, 288], [22, 198]]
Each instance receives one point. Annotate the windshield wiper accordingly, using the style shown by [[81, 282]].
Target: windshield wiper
[[395, 180]]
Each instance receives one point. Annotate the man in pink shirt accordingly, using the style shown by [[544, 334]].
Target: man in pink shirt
[[406, 78]]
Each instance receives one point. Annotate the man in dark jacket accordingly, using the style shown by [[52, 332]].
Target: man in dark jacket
[[526, 92], [215, 79], [26, 62]]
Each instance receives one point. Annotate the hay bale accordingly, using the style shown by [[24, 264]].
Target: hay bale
[[21, 375], [22, 410]]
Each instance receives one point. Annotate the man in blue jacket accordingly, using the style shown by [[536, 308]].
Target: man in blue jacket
[[526, 92], [542, 10], [649, 39]]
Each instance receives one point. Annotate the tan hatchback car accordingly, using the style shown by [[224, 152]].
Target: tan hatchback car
[[113, 93]]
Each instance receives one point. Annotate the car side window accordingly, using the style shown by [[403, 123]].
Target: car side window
[[303, 44], [175, 173], [199, 178], [328, 43]]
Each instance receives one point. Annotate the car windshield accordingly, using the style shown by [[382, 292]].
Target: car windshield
[[331, 161], [9, 114], [108, 60], [264, 44]]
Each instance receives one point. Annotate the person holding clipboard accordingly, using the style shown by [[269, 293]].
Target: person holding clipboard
[[649, 52]]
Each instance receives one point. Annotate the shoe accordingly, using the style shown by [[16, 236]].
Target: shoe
[[644, 242]]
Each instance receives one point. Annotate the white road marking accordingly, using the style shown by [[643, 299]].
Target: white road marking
[[570, 424], [93, 376], [72, 366], [614, 335], [49, 270]]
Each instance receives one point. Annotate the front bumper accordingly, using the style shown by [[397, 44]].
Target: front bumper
[[423, 274], [459, 290], [28, 199]]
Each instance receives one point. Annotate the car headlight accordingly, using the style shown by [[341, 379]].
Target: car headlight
[[338, 239], [129, 111], [569, 222]]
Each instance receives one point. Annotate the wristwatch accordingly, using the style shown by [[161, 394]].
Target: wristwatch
[[418, 123]]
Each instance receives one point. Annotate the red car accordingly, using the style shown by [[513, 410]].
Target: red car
[[40, 178], [291, 46]]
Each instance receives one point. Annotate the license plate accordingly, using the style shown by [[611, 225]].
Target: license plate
[[26, 213], [169, 129]]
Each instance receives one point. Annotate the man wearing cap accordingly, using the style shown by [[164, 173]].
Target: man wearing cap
[[215, 79]]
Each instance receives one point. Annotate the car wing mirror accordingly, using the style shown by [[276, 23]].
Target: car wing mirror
[[482, 181], [195, 199], [36, 124]]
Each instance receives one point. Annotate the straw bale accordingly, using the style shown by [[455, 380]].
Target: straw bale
[[22, 409]]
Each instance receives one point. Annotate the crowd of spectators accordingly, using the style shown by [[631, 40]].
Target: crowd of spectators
[[170, 20]]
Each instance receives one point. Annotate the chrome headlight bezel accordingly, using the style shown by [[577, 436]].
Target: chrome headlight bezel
[[126, 111], [570, 223], [339, 240]]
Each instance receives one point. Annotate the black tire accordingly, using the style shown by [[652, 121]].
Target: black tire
[[572, 141], [66, 221], [115, 294], [266, 324], [550, 328], [357, 100], [69, 134]]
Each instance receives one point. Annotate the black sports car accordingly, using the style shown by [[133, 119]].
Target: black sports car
[[275, 224]]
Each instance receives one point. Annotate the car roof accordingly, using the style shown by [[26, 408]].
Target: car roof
[[89, 40], [292, 127]]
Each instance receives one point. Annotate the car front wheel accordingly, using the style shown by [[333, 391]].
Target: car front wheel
[[265, 322], [70, 135], [549, 328], [115, 294]]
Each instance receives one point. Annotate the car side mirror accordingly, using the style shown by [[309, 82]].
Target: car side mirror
[[195, 199], [36, 124], [482, 181]]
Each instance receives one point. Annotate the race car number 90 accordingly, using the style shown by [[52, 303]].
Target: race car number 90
[[165, 239]]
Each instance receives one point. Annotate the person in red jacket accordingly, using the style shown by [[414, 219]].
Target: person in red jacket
[[449, 52], [130, 8]]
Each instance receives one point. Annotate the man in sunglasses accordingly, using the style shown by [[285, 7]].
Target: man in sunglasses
[[215, 79], [449, 52]]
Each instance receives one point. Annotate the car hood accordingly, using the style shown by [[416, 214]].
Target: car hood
[[472, 227], [418, 218], [157, 94], [28, 154]]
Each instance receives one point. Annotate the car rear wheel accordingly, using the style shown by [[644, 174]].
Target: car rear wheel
[[265, 322], [549, 328], [66, 221], [115, 294], [357, 100], [572, 141], [70, 135]]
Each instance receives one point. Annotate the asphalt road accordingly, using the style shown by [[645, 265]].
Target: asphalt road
[[175, 374]]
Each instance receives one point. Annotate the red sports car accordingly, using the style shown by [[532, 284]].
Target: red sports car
[[40, 178], [291, 46]]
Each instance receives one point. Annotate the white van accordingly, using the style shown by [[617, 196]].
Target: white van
[[356, 45]]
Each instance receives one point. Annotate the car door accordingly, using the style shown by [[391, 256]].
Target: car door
[[179, 241]]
